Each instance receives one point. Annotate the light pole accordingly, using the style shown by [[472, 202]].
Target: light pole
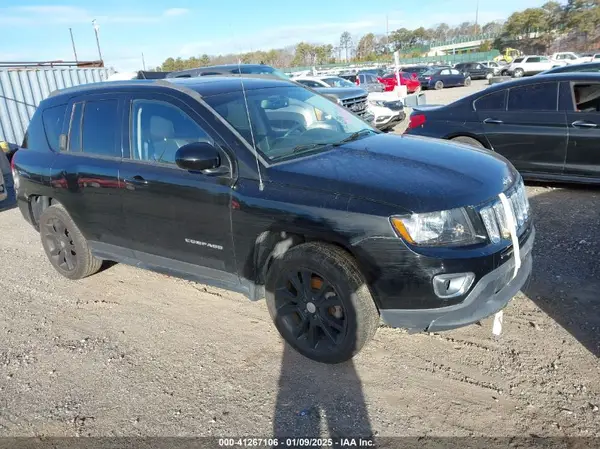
[[73, 42], [96, 28]]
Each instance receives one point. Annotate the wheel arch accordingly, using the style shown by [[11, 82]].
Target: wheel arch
[[272, 244], [481, 139]]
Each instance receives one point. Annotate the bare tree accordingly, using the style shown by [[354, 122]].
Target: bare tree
[[346, 42]]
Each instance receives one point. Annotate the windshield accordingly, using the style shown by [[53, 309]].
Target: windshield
[[288, 121], [338, 82]]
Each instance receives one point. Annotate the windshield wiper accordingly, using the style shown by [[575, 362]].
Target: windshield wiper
[[355, 136], [308, 146]]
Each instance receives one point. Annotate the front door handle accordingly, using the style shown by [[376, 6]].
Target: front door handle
[[137, 180], [492, 121], [583, 124]]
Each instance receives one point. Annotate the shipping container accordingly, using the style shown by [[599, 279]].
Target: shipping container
[[22, 90]]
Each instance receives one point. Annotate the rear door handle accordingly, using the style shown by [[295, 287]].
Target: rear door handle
[[583, 124], [492, 121]]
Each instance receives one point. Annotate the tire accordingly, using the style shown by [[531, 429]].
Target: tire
[[467, 82], [489, 76], [335, 316], [65, 246], [468, 141], [518, 73], [439, 85]]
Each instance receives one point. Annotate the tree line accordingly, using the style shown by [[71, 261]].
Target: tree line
[[534, 28]]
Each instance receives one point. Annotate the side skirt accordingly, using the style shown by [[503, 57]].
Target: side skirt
[[176, 268]]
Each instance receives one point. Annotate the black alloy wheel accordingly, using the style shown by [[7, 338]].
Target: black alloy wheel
[[311, 310]]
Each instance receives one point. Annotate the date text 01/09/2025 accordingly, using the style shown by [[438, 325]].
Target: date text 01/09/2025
[[296, 442]]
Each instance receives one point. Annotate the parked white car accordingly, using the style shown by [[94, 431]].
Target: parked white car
[[387, 110], [530, 65], [568, 57]]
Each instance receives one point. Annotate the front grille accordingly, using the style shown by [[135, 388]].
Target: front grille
[[356, 104], [494, 216]]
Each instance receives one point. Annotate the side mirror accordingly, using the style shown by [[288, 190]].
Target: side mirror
[[198, 156]]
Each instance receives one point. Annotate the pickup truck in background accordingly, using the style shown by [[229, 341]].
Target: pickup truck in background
[[568, 57]]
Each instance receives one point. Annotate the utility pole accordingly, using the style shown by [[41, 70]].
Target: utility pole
[[387, 30], [73, 43], [96, 28], [143, 62]]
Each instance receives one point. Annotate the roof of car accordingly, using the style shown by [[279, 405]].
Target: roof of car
[[571, 76], [572, 68], [205, 86]]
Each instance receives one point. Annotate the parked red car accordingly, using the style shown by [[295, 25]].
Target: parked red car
[[389, 81]]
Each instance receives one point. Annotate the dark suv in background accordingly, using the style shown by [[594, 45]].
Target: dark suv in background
[[475, 70], [272, 190]]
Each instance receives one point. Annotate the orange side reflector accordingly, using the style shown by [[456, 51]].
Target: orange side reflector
[[400, 229]]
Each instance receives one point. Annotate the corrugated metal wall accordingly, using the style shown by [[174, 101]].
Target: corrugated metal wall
[[22, 90]]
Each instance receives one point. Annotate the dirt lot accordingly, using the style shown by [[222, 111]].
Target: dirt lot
[[129, 352]]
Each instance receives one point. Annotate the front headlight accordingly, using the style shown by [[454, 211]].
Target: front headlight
[[444, 228], [377, 103]]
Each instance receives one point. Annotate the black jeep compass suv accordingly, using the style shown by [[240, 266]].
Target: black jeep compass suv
[[266, 188]]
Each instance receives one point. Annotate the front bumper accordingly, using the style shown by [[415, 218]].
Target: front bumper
[[490, 295]]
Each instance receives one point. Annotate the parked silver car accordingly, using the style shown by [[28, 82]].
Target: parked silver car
[[366, 81], [497, 68]]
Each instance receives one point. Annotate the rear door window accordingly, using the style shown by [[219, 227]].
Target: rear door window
[[534, 97], [100, 128], [493, 102], [53, 119]]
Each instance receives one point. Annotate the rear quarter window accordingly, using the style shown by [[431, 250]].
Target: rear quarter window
[[53, 119]]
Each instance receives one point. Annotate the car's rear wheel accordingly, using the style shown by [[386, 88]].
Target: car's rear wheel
[[65, 246], [439, 85], [467, 81], [320, 303], [518, 73], [468, 141]]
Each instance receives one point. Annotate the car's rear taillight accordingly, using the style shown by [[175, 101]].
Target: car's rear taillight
[[416, 120], [357, 82], [427, 77]]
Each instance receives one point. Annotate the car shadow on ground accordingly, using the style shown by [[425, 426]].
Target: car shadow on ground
[[565, 282]]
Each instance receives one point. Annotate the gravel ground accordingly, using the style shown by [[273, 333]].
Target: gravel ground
[[133, 353]]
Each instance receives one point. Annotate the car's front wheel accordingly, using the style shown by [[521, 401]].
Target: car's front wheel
[[488, 76], [467, 81], [518, 73], [65, 246], [320, 303]]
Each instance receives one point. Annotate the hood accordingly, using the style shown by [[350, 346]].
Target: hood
[[342, 93], [417, 174]]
